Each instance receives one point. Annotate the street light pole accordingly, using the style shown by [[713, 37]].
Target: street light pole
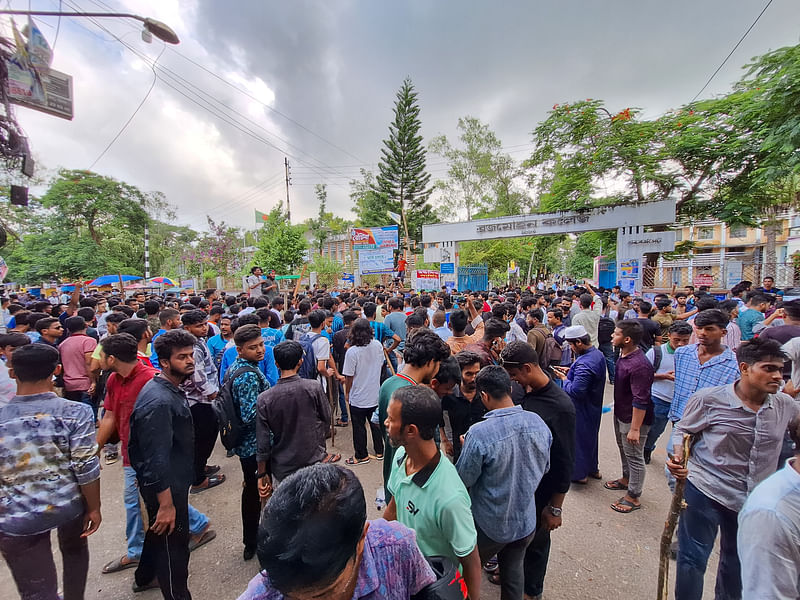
[[161, 30]]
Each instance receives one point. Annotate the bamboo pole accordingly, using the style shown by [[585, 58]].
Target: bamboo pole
[[675, 508], [297, 285], [330, 381]]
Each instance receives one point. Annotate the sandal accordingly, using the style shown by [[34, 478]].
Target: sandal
[[112, 457], [332, 458], [211, 482], [211, 469], [490, 566], [376, 456], [494, 578], [117, 565], [340, 423], [615, 485], [205, 537], [352, 461], [630, 506]]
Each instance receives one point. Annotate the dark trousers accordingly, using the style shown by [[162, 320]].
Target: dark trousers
[[205, 436], [251, 503], [30, 560], [537, 554], [697, 531], [166, 556], [359, 417], [611, 360], [510, 559], [81, 396]]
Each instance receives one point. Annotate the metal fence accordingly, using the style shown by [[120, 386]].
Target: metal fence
[[474, 277], [718, 276]]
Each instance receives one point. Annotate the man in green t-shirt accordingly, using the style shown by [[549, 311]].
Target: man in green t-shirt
[[422, 354], [426, 487]]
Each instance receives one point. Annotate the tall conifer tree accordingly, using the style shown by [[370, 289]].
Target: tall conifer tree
[[402, 176]]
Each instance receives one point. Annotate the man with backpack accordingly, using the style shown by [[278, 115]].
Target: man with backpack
[[243, 384], [662, 357], [605, 329], [320, 354]]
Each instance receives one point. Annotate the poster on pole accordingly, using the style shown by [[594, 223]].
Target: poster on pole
[[372, 238], [380, 260], [426, 279]]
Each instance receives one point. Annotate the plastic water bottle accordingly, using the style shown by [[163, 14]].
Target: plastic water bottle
[[380, 498]]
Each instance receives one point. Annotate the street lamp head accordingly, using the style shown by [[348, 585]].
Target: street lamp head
[[161, 30]]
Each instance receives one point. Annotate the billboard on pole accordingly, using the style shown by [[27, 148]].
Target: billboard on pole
[[372, 238]]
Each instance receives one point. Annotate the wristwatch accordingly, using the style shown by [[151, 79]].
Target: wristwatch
[[554, 510]]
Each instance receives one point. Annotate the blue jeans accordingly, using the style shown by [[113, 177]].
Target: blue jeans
[[343, 415], [134, 523], [696, 534], [660, 420], [611, 362]]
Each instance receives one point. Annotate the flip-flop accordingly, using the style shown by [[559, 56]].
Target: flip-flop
[[352, 461], [494, 578], [376, 456], [615, 485], [332, 458], [211, 469], [213, 481], [340, 423], [622, 502], [117, 565], [207, 536]]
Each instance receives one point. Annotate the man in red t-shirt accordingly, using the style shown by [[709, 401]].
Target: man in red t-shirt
[[76, 360], [119, 354], [401, 269]]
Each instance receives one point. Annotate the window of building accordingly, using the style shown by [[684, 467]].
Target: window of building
[[678, 235], [738, 231], [705, 233]]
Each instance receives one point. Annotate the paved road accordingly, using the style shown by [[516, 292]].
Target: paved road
[[597, 554]]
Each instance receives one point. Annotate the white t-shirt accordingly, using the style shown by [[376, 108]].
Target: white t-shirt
[[364, 364], [256, 291], [663, 389], [8, 386]]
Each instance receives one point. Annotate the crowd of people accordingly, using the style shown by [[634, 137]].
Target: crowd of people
[[483, 407]]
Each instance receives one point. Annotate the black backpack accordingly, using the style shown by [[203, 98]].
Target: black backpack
[[228, 410], [605, 329], [308, 370]]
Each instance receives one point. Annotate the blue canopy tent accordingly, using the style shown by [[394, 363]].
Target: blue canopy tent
[[112, 279]]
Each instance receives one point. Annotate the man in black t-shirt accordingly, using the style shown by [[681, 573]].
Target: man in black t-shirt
[[338, 349], [463, 407], [651, 330]]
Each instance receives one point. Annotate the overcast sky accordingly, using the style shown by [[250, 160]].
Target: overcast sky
[[319, 81]]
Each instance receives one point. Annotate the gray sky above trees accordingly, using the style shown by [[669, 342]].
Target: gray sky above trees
[[334, 68]]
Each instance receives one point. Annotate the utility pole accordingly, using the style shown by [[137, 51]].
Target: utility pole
[[288, 181]]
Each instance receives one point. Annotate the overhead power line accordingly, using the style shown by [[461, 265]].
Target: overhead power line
[[741, 39]]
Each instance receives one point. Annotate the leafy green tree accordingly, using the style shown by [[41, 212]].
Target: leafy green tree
[[403, 178], [480, 177], [281, 245], [370, 205], [580, 262], [326, 223]]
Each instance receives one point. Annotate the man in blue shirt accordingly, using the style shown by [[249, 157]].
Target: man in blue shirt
[[170, 319], [503, 459]]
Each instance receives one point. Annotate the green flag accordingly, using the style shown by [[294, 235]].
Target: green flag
[[261, 217]]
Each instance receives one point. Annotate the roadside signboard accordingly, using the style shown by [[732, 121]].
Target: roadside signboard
[[57, 99]]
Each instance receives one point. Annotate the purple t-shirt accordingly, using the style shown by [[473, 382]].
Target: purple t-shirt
[[632, 384], [392, 567]]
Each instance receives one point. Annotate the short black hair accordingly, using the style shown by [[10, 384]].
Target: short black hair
[[168, 314], [681, 328], [631, 329], [449, 371], [516, 354], [287, 354], [466, 358], [495, 328], [45, 323], [705, 303], [116, 317], [557, 313], [370, 308], [123, 346], [423, 346], [151, 307], [421, 407], [194, 317], [792, 308], [34, 362], [645, 307], [14, 338], [75, 324], [459, 320], [311, 527], [663, 303], [712, 316], [246, 333], [172, 340], [253, 269], [758, 298], [493, 380], [348, 317], [759, 350], [316, 318], [415, 320], [135, 327]]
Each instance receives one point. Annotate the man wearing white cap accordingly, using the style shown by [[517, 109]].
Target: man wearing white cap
[[584, 382]]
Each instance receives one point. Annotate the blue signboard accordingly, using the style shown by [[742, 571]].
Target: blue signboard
[[447, 268]]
